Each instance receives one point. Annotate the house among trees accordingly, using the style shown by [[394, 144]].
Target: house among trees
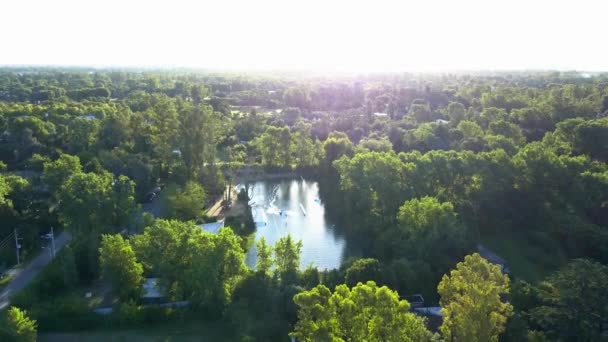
[[155, 295], [152, 292], [416, 301]]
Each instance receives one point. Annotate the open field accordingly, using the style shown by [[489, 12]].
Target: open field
[[525, 259], [179, 331]]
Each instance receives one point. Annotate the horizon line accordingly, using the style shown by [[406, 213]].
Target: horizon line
[[168, 67]]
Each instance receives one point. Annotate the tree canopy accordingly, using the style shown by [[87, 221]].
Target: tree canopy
[[18, 327], [364, 312], [119, 265], [573, 302], [472, 303], [193, 263], [413, 169]]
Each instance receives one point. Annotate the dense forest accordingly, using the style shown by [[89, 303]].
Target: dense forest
[[418, 169]]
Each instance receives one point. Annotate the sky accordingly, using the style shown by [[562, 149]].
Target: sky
[[332, 35]]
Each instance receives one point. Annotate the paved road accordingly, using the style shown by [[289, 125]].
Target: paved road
[[22, 277]]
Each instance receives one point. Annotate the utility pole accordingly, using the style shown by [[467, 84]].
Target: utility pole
[[17, 246], [53, 241]]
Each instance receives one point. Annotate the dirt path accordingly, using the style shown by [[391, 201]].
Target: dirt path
[[219, 212]]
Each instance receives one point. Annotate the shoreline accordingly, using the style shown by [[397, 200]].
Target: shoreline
[[267, 176]]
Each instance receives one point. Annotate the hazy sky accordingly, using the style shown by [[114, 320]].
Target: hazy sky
[[372, 35]]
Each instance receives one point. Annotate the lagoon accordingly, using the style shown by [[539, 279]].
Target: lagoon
[[282, 207]]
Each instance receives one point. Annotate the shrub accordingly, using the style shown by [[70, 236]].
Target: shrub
[[129, 313], [66, 313]]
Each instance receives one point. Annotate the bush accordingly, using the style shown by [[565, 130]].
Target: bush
[[151, 315], [255, 322], [310, 277], [66, 313], [363, 270], [129, 313], [17, 326]]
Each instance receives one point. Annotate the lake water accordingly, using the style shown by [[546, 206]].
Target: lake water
[[282, 207]]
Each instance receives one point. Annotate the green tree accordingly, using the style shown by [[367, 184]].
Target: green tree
[[427, 230], [196, 265], [363, 270], [364, 313], [6, 204], [536, 336], [119, 265], [91, 204], [56, 172], [491, 114], [377, 145], [375, 182], [336, 146], [297, 97], [85, 202], [264, 256], [302, 146], [291, 115], [574, 302], [115, 130], [38, 128], [164, 131], [471, 301], [187, 202], [470, 129], [95, 202], [509, 130], [274, 146], [200, 131], [457, 112], [420, 112], [592, 139], [534, 121], [287, 256], [123, 199], [284, 140], [68, 267], [18, 327], [549, 178], [82, 134]]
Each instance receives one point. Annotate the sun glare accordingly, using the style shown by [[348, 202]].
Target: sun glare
[[324, 35]]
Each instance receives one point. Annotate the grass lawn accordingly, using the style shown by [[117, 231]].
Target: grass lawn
[[175, 331], [530, 257], [4, 280]]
